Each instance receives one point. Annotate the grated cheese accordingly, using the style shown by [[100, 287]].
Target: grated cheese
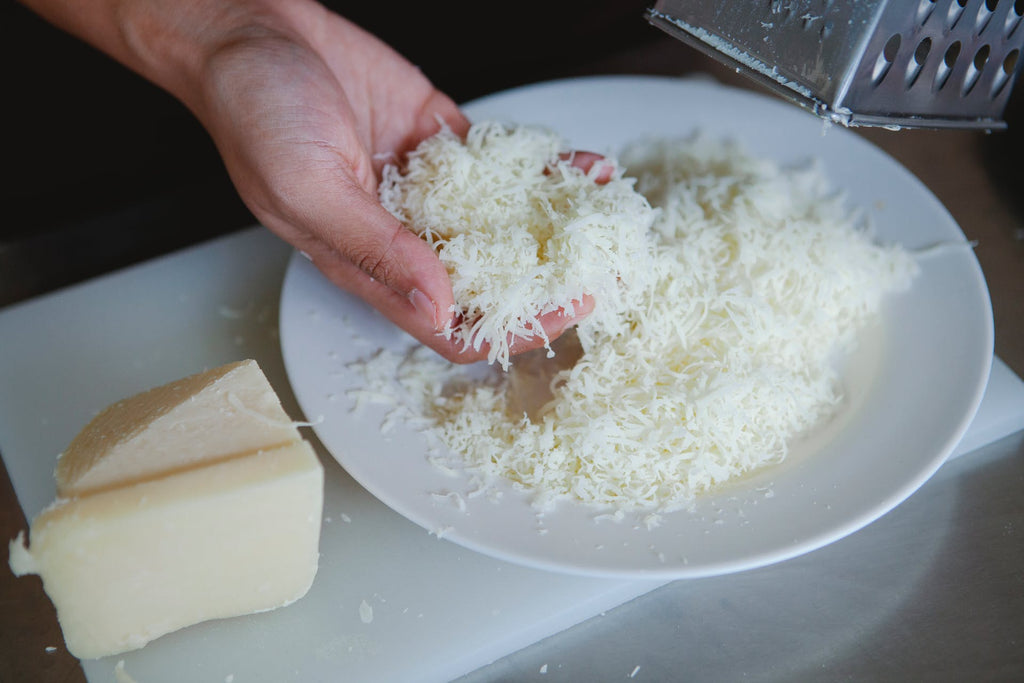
[[520, 230], [702, 369], [121, 675], [365, 612]]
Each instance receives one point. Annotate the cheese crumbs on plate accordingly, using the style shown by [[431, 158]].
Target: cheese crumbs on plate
[[712, 345]]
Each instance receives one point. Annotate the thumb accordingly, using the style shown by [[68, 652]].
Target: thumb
[[380, 246]]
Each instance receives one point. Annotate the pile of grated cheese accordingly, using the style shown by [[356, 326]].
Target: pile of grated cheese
[[521, 231], [722, 356]]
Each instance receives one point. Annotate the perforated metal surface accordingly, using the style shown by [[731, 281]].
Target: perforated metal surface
[[913, 63]]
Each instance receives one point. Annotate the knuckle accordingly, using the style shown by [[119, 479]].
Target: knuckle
[[376, 257]]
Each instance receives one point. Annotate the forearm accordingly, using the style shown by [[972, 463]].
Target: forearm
[[170, 42]]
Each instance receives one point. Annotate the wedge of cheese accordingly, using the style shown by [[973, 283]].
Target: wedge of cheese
[[185, 526], [196, 420]]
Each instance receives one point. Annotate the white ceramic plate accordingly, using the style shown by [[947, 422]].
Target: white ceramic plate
[[914, 386]]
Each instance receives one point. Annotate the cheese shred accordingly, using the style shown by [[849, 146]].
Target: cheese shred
[[714, 336]]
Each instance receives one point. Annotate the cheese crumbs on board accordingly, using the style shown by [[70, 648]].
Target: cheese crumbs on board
[[520, 230], [703, 369]]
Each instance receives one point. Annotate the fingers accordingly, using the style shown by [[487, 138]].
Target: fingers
[[403, 312], [400, 275], [368, 252], [440, 106], [388, 255], [437, 110], [555, 324], [585, 161]]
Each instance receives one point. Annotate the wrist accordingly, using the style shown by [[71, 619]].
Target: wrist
[[173, 43]]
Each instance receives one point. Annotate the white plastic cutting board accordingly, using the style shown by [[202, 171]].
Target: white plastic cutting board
[[438, 611]]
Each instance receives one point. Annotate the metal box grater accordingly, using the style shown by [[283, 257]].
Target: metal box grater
[[905, 63]]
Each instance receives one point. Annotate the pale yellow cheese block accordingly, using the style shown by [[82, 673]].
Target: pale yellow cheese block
[[129, 564], [191, 501], [199, 419]]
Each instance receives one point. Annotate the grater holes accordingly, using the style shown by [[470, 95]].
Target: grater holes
[[984, 15], [1013, 17], [1004, 72], [917, 62], [945, 67], [1010, 63], [952, 54], [885, 59], [974, 69], [892, 48], [921, 53], [981, 57], [924, 10], [956, 10]]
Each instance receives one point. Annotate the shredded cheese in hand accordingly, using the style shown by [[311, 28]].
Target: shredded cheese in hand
[[707, 365], [520, 230]]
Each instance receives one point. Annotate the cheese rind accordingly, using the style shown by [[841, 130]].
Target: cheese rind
[[127, 565], [209, 416]]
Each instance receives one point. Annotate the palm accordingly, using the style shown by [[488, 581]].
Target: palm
[[305, 123], [301, 120]]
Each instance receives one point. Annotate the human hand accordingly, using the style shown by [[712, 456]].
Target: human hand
[[305, 115], [305, 109], [305, 119]]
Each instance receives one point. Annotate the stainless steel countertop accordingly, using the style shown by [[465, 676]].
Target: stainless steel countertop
[[933, 591]]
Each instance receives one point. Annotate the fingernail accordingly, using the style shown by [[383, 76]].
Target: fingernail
[[424, 306]]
